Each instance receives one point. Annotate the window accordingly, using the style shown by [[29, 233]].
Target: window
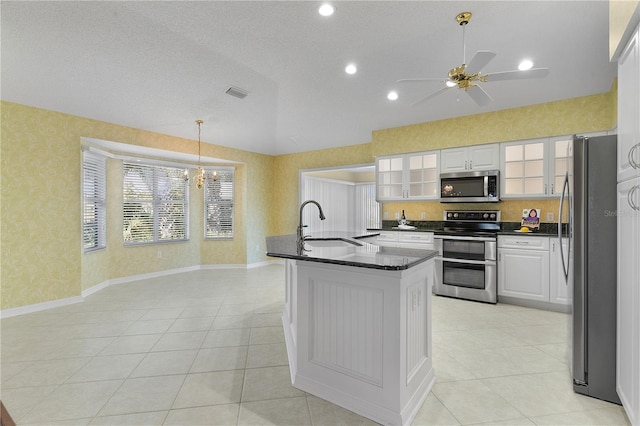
[[218, 205], [155, 204], [94, 215]]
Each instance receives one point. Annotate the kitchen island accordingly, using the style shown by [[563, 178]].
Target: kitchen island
[[357, 323]]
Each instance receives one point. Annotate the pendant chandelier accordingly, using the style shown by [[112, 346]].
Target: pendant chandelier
[[201, 175]]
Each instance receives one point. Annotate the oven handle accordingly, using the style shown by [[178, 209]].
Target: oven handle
[[454, 237], [472, 262]]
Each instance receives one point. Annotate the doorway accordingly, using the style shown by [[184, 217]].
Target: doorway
[[347, 196]]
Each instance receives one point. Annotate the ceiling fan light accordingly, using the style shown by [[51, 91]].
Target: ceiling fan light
[[450, 83], [326, 9], [351, 69], [525, 65]]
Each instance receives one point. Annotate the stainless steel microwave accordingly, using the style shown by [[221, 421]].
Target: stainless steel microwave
[[470, 187]]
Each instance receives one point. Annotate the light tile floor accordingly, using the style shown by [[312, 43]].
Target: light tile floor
[[207, 348]]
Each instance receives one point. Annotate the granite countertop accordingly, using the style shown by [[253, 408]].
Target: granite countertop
[[349, 250], [506, 228]]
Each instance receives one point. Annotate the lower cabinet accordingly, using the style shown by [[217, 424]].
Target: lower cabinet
[[405, 239], [628, 321], [530, 269]]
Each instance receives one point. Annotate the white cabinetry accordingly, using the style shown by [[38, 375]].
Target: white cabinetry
[[361, 338], [628, 327], [408, 176], [523, 267], [473, 158], [628, 216], [406, 239], [629, 110], [387, 239], [533, 168]]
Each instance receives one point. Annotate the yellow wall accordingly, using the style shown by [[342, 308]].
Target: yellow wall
[[578, 115], [286, 168], [42, 258]]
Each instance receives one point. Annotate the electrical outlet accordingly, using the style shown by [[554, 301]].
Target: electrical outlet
[[550, 217], [423, 216], [386, 215], [159, 254], [397, 215]]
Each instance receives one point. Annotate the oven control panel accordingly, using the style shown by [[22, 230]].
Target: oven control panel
[[472, 215]]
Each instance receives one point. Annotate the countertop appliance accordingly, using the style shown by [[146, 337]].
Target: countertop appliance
[[466, 262], [589, 195], [470, 187]]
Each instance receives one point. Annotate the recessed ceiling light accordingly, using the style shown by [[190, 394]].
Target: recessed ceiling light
[[326, 9], [392, 95], [351, 69], [525, 65]]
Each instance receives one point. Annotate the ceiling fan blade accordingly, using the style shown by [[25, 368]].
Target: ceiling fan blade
[[517, 75], [433, 95], [479, 61], [414, 80], [478, 94]]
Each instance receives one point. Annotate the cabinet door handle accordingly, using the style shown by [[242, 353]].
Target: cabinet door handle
[[631, 156], [552, 190], [522, 242], [466, 164], [470, 165], [630, 194], [545, 189]]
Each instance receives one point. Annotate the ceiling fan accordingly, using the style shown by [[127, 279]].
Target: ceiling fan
[[466, 76]]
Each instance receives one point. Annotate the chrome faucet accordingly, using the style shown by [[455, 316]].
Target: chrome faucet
[[300, 238]]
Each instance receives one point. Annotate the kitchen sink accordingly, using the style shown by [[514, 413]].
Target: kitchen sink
[[331, 242]]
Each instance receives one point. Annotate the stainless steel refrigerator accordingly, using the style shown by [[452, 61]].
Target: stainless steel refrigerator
[[589, 202]]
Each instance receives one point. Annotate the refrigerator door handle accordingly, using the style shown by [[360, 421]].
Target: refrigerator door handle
[[565, 190]]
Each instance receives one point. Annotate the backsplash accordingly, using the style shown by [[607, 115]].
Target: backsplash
[[511, 210]]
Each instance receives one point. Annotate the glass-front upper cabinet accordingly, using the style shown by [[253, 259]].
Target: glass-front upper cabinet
[[524, 169], [389, 175], [408, 176], [558, 168], [424, 179], [534, 168]]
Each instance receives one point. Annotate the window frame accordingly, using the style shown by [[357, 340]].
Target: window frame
[[94, 181], [227, 173], [156, 200]]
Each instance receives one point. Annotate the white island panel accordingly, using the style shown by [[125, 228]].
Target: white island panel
[[363, 337]]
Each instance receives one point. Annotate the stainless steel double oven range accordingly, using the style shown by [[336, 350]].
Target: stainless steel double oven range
[[466, 265]]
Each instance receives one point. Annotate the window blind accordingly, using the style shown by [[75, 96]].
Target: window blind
[[155, 204], [94, 216], [218, 205]]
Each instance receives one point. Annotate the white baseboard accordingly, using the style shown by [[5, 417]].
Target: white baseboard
[[21, 310], [224, 266], [265, 263], [28, 309]]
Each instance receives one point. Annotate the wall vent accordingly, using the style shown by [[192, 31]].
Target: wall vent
[[237, 92]]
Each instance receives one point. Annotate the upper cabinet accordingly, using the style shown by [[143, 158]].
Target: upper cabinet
[[533, 168], [629, 110], [408, 177], [472, 158]]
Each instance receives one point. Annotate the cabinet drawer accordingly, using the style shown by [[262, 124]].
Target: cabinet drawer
[[416, 237], [523, 242], [386, 237]]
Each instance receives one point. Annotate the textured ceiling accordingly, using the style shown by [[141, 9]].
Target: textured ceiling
[[160, 65]]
